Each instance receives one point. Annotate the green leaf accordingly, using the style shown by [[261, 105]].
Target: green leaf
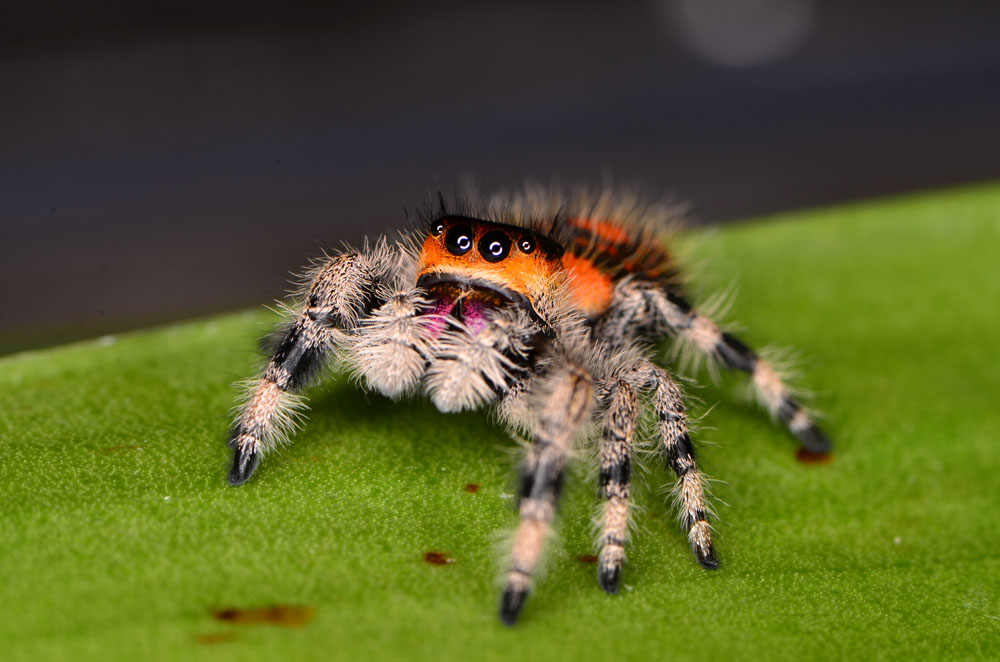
[[119, 537]]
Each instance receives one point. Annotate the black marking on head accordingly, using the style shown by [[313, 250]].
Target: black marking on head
[[551, 249], [459, 239], [511, 604], [609, 577], [244, 464], [557, 224], [527, 244], [494, 246]]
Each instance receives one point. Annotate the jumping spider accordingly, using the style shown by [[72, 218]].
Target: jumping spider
[[544, 307]]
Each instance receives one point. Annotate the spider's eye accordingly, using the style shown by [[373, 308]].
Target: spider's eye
[[526, 244], [437, 228], [458, 241], [494, 246]]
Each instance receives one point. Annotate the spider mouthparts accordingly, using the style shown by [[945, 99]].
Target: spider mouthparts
[[244, 464], [510, 605]]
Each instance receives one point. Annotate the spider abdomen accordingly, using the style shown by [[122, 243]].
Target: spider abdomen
[[600, 253]]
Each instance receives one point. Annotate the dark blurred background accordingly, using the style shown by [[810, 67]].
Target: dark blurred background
[[160, 161]]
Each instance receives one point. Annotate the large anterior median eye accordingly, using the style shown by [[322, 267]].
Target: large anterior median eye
[[494, 246], [458, 241]]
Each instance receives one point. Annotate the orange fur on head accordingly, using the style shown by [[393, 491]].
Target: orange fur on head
[[530, 274]]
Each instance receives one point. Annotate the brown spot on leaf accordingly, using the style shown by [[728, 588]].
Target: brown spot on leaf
[[806, 456], [587, 558], [472, 488], [288, 616], [438, 558], [215, 637]]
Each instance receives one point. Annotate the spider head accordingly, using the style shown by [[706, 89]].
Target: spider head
[[512, 262]]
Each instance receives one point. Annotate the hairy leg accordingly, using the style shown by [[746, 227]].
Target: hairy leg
[[678, 450], [343, 290], [620, 419], [649, 306]]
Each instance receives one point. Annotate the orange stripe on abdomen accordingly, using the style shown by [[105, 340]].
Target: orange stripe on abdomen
[[591, 288], [608, 231], [609, 247]]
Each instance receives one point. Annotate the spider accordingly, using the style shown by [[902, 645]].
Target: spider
[[543, 306]]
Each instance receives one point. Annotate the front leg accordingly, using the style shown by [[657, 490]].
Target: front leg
[[344, 289]]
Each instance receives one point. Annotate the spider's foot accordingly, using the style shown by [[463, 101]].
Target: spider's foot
[[706, 558], [609, 568], [244, 464], [609, 578], [813, 439], [512, 601]]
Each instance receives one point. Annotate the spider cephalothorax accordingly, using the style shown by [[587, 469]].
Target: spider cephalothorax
[[463, 256], [543, 307]]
